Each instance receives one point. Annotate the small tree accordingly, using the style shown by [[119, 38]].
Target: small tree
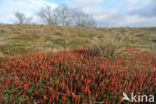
[[63, 15], [46, 15], [82, 19], [20, 17]]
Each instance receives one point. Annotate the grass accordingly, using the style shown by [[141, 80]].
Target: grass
[[48, 38], [107, 45]]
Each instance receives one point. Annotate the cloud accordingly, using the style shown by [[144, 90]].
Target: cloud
[[122, 20], [142, 15], [148, 10], [128, 13], [29, 7], [133, 1], [108, 13], [87, 3]]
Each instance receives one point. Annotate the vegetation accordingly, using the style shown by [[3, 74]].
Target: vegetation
[[66, 65], [40, 38], [107, 45], [22, 19], [75, 77]]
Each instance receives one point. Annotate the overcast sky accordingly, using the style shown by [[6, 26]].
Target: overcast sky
[[108, 13]]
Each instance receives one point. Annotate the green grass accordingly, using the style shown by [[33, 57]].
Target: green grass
[[21, 39]]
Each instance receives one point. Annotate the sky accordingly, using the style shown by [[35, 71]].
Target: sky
[[107, 13]]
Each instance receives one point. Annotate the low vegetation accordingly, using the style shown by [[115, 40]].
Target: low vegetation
[[64, 65], [40, 38], [108, 45], [75, 77]]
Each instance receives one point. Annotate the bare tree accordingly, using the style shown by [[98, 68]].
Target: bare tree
[[73, 17], [20, 17], [65, 16], [82, 19], [46, 15]]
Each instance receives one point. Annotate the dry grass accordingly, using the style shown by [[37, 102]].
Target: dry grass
[[108, 45], [39, 38]]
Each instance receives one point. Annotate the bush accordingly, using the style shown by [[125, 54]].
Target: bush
[[108, 45]]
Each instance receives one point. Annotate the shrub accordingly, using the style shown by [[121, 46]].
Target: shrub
[[108, 45]]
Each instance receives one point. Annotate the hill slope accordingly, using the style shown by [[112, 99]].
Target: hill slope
[[75, 76], [22, 39]]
